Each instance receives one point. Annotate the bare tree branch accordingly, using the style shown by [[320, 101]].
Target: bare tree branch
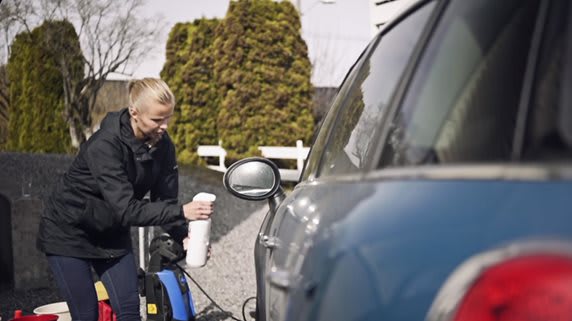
[[112, 36], [15, 17]]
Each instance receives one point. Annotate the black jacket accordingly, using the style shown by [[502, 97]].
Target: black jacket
[[92, 208]]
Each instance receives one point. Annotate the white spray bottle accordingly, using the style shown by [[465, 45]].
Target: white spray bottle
[[199, 236]]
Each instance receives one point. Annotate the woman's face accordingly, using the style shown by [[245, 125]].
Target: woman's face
[[151, 123]]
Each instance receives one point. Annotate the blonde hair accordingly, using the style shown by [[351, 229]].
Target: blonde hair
[[143, 90]]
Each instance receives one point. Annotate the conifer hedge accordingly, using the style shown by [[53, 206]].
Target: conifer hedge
[[263, 74], [188, 71], [4, 103], [36, 121], [244, 80]]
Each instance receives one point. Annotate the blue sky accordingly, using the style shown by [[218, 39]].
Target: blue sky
[[335, 33]]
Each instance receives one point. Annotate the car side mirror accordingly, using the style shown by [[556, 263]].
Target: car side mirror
[[252, 178]]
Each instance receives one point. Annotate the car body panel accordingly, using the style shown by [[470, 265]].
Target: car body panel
[[262, 253], [406, 257], [296, 223]]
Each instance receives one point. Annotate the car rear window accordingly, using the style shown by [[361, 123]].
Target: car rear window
[[463, 102], [548, 117], [351, 143]]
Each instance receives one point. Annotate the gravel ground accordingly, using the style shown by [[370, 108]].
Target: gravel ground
[[228, 277]]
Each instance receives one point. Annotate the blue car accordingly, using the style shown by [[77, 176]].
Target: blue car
[[439, 185]]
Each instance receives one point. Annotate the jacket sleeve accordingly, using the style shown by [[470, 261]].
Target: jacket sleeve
[[104, 158], [166, 188]]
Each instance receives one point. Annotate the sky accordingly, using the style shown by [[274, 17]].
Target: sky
[[335, 33]]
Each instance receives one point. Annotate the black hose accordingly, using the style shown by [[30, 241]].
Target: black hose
[[213, 301], [244, 306]]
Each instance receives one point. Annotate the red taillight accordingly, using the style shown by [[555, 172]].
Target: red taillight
[[528, 288]]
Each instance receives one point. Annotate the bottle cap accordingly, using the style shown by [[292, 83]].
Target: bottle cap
[[202, 196]]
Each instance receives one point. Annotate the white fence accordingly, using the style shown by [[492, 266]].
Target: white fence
[[299, 153], [214, 151]]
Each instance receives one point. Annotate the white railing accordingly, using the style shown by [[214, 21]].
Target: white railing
[[213, 151], [299, 153]]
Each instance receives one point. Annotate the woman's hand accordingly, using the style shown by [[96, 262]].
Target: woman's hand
[[198, 210]]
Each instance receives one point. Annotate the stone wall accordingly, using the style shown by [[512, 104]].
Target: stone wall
[[30, 266], [6, 257], [25, 181]]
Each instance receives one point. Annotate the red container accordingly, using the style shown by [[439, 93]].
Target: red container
[[40, 317], [105, 312]]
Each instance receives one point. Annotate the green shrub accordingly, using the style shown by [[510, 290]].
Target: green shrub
[[36, 121], [188, 71], [4, 103], [263, 73]]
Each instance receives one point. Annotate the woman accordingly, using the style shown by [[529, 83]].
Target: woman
[[87, 220]]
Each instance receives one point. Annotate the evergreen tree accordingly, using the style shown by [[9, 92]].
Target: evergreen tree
[[4, 103], [263, 73], [188, 71], [36, 122]]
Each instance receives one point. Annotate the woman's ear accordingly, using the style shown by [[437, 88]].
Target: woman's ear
[[133, 111]]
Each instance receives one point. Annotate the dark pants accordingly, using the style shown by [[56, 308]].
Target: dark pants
[[75, 282]]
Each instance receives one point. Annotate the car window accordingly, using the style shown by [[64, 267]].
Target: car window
[[462, 103], [311, 165], [367, 95], [543, 136]]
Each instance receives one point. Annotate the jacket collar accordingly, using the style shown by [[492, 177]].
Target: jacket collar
[[120, 124]]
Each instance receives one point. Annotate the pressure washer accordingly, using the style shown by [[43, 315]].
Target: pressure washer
[[165, 287], [167, 293]]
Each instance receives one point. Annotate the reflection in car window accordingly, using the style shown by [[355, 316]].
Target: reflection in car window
[[311, 165], [543, 137], [363, 106], [462, 104]]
